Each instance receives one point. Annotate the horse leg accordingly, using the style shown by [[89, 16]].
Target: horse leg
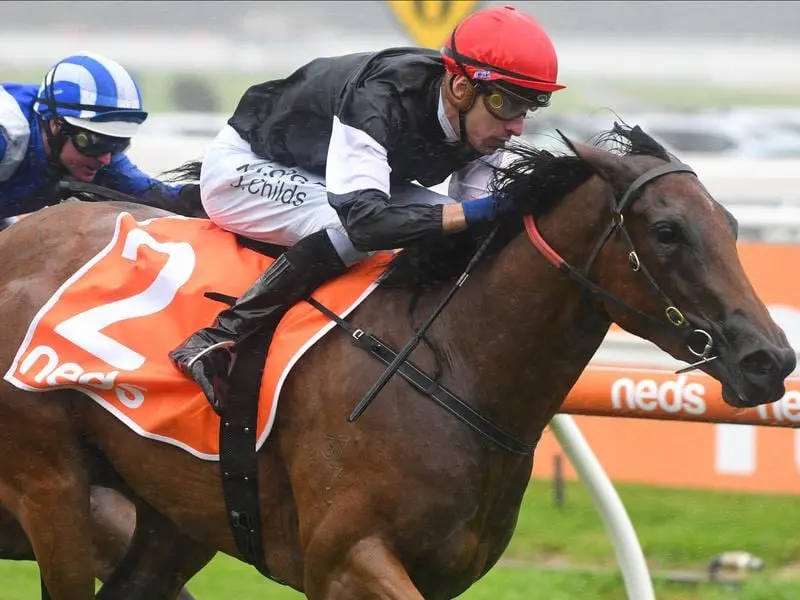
[[159, 561], [57, 525], [44, 484], [14, 544], [113, 520], [113, 523], [369, 569]]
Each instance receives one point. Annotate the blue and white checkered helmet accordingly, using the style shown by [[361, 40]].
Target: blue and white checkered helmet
[[92, 92]]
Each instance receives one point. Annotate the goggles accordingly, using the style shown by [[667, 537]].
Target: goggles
[[505, 105], [94, 144]]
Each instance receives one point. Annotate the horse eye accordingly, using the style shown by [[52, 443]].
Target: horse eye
[[666, 233]]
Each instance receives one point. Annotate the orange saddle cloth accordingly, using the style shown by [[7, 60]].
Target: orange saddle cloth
[[108, 329]]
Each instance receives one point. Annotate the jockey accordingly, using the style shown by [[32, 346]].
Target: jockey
[[78, 123], [325, 162]]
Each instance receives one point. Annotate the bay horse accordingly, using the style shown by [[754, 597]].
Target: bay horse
[[407, 502]]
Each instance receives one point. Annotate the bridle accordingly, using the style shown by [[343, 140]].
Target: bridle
[[674, 317]]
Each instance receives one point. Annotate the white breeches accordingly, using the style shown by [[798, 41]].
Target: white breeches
[[263, 200]]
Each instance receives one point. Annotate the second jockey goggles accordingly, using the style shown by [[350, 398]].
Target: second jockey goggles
[[506, 105], [94, 144]]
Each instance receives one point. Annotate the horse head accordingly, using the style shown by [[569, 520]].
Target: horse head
[[666, 268]]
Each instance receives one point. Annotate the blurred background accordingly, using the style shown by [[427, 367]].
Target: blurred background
[[716, 82]]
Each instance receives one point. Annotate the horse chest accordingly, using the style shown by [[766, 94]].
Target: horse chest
[[466, 531]]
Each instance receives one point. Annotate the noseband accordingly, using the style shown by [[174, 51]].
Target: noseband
[[674, 317]]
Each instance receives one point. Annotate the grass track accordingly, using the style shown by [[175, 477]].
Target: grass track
[[564, 553]]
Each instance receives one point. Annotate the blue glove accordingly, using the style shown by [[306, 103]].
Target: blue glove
[[485, 209]]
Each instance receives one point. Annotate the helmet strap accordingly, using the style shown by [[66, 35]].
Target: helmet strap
[[463, 103], [462, 128]]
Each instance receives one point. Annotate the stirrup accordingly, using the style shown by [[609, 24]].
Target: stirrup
[[225, 344]]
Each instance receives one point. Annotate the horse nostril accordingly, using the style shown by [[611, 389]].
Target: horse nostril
[[761, 365]]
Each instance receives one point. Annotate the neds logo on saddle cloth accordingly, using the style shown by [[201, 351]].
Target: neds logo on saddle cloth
[[107, 330]]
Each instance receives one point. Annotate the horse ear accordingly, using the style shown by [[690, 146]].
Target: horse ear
[[604, 163]]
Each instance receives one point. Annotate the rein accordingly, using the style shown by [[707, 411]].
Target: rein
[[78, 187]]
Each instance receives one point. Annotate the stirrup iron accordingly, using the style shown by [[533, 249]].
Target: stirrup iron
[[225, 344]]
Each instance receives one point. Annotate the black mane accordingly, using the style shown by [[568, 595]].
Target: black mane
[[534, 181]]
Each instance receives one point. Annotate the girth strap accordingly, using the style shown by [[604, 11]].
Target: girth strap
[[237, 450]]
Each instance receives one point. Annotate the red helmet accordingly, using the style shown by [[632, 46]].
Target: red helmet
[[503, 44]]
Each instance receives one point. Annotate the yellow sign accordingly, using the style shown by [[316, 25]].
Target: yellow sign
[[429, 22]]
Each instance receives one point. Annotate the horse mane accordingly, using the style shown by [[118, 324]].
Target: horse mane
[[187, 172], [534, 181]]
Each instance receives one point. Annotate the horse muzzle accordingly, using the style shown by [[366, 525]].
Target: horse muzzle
[[754, 375]]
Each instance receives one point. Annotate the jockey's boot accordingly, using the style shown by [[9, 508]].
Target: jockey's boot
[[207, 355]]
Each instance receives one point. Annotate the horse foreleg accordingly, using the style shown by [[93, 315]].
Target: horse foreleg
[[14, 544], [44, 484], [158, 563], [369, 569], [113, 520], [53, 510]]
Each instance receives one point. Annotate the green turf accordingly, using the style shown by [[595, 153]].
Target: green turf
[[677, 528], [563, 552], [226, 578]]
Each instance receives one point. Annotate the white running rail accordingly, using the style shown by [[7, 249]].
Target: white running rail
[[636, 575]]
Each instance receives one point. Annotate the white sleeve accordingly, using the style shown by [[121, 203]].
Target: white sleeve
[[16, 131], [472, 180]]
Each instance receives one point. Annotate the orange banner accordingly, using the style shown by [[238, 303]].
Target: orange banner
[[660, 394]]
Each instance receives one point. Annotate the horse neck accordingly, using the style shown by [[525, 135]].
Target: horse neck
[[520, 333]]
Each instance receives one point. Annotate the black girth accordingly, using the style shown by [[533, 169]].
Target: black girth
[[238, 462]]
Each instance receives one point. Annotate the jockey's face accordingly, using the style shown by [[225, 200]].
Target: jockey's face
[[81, 166], [485, 131]]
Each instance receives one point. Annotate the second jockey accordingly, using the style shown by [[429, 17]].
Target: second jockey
[[326, 162], [77, 124]]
